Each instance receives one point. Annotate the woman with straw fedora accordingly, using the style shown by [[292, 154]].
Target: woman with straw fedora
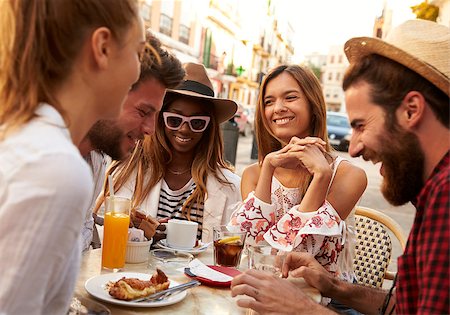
[[179, 172], [397, 97]]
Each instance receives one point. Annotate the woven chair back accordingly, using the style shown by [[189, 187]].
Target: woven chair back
[[373, 251]]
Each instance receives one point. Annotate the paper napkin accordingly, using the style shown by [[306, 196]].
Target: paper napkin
[[201, 270], [136, 235]]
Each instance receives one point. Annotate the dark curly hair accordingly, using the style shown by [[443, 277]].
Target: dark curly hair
[[158, 63]]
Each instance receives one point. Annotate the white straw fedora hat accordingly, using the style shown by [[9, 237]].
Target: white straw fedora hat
[[197, 84], [420, 45]]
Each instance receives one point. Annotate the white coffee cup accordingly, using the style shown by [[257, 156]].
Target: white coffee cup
[[181, 234]]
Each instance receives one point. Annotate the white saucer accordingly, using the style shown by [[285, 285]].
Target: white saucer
[[201, 247]]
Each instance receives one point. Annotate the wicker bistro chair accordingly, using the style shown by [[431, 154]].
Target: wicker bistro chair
[[374, 246]]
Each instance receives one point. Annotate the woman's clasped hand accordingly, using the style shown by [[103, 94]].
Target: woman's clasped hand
[[305, 153]]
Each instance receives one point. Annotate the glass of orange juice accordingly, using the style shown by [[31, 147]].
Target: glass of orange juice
[[115, 232]]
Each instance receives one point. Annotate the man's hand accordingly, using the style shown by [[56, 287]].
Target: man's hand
[[298, 264], [272, 295]]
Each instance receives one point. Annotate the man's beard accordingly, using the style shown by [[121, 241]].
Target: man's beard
[[403, 166], [106, 136]]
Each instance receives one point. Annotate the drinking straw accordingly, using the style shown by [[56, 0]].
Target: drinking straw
[[111, 194], [111, 186]]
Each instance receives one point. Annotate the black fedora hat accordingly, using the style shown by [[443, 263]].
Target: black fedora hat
[[197, 84]]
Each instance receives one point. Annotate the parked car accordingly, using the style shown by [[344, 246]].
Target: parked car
[[244, 121], [339, 130]]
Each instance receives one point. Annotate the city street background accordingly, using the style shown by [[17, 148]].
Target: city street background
[[372, 197]]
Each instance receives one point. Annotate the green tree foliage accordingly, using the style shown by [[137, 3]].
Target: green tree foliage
[[426, 11], [316, 70]]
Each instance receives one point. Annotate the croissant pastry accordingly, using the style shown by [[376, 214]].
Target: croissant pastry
[[132, 288]]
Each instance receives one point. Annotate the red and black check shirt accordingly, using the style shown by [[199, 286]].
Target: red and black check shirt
[[423, 269]]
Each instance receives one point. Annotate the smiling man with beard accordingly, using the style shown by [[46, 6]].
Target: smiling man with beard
[[397, 99], [106, 137], [397, 96], [115, 139], [402, 164]]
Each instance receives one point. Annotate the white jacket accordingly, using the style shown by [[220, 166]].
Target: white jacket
[[218, 204]]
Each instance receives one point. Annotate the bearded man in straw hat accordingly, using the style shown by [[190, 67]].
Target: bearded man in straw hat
[[397, 96]]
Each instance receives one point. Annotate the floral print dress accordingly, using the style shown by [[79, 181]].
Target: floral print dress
[[322, 232]]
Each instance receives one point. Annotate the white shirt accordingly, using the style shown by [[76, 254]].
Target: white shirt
[[99, 162], [45, 187]]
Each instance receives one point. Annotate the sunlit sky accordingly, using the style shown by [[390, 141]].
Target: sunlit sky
[[320, 24]]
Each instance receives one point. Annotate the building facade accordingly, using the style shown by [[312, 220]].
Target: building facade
[[332, 78], [237, 41]]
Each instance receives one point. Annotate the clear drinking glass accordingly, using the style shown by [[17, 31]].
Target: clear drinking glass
[[228, 246], [266, 258], [169, 261], [115, 232]]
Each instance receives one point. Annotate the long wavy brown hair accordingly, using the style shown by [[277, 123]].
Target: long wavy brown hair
[[40, 41], [310, 85], [152, 155]]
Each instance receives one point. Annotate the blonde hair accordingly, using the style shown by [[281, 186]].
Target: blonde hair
[[152, 155], [267, 142], [40, 41]]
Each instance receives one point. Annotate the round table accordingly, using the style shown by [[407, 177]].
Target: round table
[[199, 300]]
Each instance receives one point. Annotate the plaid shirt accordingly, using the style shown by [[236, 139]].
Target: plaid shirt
[[423, 269]]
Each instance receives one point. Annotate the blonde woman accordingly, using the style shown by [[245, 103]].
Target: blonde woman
[[64, 65], [179, 172], [299, 196]]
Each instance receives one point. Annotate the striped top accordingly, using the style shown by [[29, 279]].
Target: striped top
[[171, 202]]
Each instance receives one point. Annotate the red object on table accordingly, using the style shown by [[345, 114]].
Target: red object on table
[[232, 272]]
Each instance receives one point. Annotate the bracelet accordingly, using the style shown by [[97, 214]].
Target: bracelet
[[387, 299]]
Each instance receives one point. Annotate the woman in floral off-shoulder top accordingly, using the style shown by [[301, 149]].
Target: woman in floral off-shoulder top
[[299, 196]]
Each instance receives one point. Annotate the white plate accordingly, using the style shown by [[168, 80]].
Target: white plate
[[201, 247], [96, 286]]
